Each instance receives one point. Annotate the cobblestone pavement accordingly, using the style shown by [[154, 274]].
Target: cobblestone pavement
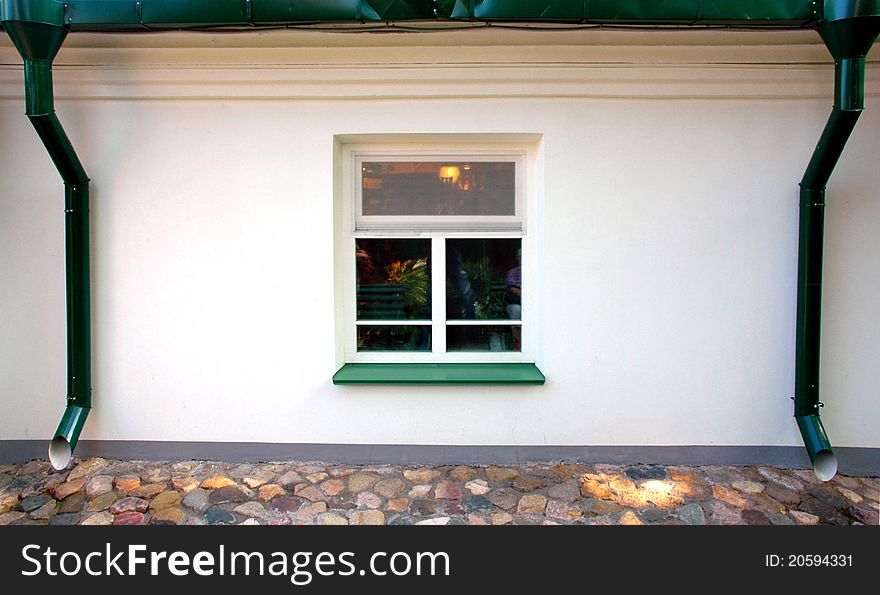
[[103, 492]]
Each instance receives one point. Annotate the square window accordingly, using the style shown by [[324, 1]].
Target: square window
[[437, 260]]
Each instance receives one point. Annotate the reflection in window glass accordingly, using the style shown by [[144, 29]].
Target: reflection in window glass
[[483, 338], [393, 279], [394, 338], [483, 279], [426, 189]]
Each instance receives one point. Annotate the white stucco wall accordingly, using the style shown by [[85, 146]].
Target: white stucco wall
[[669, 240]]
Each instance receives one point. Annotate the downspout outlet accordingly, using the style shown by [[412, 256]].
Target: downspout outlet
[[818, 446], [67, 435]]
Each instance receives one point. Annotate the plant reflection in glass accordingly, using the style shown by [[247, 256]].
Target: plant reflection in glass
[[412, 274], [393, 279]]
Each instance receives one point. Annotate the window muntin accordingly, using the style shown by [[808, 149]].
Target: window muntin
[[500, 329]]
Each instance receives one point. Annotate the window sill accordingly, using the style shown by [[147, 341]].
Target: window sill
[[442, 374]]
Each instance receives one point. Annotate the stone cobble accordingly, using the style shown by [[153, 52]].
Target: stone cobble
[[97, 491]]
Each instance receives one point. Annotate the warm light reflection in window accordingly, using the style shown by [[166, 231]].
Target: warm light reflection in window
[[450, 174]]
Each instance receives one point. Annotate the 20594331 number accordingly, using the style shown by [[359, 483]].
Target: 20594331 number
[[832, 560]]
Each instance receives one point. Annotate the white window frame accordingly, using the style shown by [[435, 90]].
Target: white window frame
[[353, 225]]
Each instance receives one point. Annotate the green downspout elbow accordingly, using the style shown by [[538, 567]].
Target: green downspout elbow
[[38, 43], [849, 32]]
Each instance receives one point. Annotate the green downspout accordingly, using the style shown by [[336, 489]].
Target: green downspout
[[849, 30], [38, 43]]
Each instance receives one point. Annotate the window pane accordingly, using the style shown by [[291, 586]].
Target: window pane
[[394, 338], [483, 279], [483, 338], [437, 188], [393, 279]]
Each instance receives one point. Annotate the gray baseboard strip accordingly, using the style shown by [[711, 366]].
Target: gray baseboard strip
[[852, 461]]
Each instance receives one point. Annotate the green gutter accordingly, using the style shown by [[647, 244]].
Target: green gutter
[[113, 15], [642, 12], [38, 42], [849, 35]]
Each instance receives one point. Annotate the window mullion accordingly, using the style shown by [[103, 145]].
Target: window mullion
[[438, 294]]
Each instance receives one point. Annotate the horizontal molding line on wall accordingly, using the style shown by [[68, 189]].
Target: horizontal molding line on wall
[[854, 461], [230, 50], [283, 82]]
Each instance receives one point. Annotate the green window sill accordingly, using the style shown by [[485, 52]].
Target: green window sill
[[448, 374]]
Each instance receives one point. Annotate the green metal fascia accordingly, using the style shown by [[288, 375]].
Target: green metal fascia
[[438, 374], [112, 15], [641, 11]]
